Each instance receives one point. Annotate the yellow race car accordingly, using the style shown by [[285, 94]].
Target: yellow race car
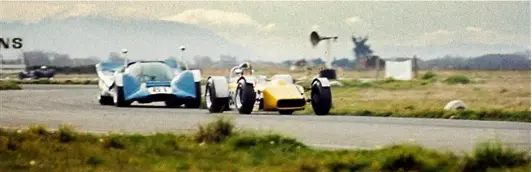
[[246, 92]]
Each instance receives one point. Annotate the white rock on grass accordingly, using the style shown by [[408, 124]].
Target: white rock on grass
[[336, 83], [455, 105]]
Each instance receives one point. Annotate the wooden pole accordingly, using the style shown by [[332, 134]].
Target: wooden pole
[[377, 67], [416, 67]]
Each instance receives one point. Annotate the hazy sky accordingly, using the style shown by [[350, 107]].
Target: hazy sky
[[281, 29]]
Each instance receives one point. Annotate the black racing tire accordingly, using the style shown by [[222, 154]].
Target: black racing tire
[[120, 102], [105, 100], [217, 105], [247, 98], [321, 99], [21, 76], [196, 102], [286, 112]]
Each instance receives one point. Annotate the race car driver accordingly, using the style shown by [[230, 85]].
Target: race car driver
[[246, 69]]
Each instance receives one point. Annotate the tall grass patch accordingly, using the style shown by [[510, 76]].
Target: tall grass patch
[[457, 79], [9, 85], [216, 131], [39, 149]]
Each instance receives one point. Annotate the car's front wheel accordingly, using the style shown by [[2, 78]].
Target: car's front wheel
[[105, 100], [119, 97], [245, 98], [214, 104]]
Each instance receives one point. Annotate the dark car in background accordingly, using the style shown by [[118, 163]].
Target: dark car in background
[[43, 72]]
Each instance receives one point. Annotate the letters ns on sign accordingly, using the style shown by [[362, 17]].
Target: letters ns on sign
[[8, 43]]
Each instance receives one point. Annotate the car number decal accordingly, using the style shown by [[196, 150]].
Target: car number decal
[[160, 90]]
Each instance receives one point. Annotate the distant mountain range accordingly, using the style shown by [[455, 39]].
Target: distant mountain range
[[514, 61], [488, 61], [82, 37], [86, 40]]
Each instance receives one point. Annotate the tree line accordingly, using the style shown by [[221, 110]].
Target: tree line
[[63, 63], [484, 62]]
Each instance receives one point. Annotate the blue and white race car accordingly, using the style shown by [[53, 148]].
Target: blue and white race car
[[148, 81]]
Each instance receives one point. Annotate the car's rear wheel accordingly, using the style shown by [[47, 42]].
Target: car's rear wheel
[[320, 98], [196, 102], [214, 104], [21, 76], [245, 98], [119, 98]]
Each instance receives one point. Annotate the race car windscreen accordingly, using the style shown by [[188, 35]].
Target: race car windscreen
[[151, 72]]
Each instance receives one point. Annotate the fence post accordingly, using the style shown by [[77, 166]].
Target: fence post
[[377, 67], [416, 67]]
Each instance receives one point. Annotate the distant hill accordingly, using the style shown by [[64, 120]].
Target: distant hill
[[82, 37], [514, 61], [486, 62]]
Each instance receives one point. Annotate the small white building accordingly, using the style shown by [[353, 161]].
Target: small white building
[[399, 68]]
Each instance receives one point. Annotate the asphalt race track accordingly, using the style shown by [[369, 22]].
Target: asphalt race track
[[77, 105]]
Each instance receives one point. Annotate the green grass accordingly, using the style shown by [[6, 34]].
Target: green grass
[[409, 111], [457, 79], [39, 149], [9, 85], [425, 103], [501, 96], [68, 82], [385, 84], [429, 75]]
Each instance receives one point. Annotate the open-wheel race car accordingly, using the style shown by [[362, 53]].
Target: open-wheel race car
[[246, 92], [148, 81]]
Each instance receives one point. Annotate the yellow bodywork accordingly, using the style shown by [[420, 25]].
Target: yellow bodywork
[[232, 86], [275, 90], [272, 94]]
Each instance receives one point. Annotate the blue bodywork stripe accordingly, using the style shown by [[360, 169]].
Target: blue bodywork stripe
[[132, 88], [158, 84], [183, 86]]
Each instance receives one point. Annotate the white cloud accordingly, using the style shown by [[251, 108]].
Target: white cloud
[[469, 34], [487, 36], [353, 20], [270, 26], [77, 10], [473, 29], [18, 11], [217, 17], [40, 11], [438, 33], [441, 36], [235, 26]]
